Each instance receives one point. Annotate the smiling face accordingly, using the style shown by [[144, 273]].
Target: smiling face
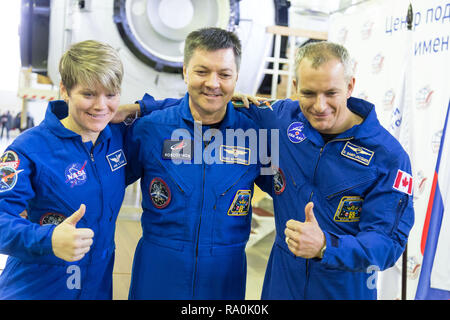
[[211, 78], [323, 92], [90, 110]]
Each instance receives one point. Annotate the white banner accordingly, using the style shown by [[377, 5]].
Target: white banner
[[374, 33]]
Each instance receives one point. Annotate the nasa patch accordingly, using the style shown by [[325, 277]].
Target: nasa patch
[[9, 162], [51, 218], [349, 209], [75, 174], [8, 178], [160, 193], [241, 203], [279, 182], [116, 160], [294, 132]]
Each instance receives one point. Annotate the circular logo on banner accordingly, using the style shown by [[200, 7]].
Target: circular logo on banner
[[159, 193], [424, 97], [377, 63], [294, 132], [51, 218], [76, 174], [279, 182]]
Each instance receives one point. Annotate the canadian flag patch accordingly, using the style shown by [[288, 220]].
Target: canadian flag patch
[[403, 182]]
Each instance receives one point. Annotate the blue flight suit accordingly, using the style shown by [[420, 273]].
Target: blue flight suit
[[196, 199], [361, 186], [48, 171]]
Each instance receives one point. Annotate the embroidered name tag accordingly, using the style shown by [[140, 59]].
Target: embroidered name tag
[[233, 154], [357, 153], [116, 160]]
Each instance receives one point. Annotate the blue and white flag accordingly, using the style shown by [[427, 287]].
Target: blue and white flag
[[434, 282]]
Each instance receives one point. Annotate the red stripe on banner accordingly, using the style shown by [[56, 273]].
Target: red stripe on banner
[[428, 215]]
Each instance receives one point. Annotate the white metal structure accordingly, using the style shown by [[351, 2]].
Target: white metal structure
[[293, 35], [163, 39]]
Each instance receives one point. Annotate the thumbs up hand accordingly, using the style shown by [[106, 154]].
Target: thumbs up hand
[[305, 239], [70, 243]]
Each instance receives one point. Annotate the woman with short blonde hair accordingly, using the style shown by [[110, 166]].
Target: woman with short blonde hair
[[68, 173]]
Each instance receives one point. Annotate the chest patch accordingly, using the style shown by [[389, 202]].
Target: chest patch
[[159, 193], [349, 209], [76, 174], [357, 153], [295, 132], [241, 203], [116, 160], [234, 154], [51, 218], [177, 149]]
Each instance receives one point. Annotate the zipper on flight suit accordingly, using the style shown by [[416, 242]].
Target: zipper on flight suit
[[91, 154], [91, 157], [194, 280], [311, 195]]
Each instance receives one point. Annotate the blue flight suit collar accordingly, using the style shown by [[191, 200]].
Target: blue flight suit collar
[[227, 122], [58, 110], [361, 107]]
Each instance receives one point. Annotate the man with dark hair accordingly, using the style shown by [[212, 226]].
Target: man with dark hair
[[211, 39], [196, 185]]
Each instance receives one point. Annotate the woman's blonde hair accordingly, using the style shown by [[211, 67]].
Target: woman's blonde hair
[[91, 63]]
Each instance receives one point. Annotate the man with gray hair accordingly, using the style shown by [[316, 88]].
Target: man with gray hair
[[342, 191]]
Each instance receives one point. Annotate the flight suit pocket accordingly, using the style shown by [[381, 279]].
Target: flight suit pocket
[[165, 200], [346, 199], [232, 209], [52, 196]]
